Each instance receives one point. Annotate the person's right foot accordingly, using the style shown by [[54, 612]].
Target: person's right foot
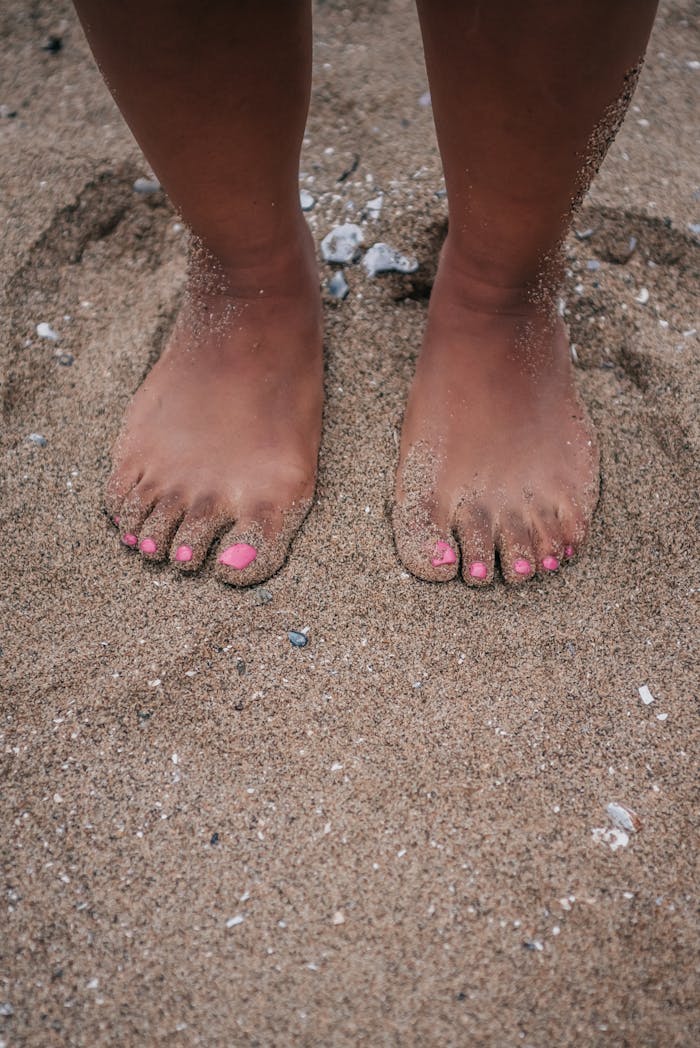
[[222, 437]]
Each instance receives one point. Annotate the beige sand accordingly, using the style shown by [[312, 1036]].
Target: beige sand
[[404, 809]]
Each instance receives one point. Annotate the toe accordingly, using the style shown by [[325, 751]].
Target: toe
[[258, 545], [573, 524], [548, 541], [425, 544], [475, 532], [119, 486], [134, 510], [158, 528], [196, 534], [515, 550]]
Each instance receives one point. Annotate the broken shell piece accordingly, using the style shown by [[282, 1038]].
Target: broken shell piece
[[342, 243], [643, 296], [338, 286], [45, 330], [584, 234], [614, 837], [306, 200], [37, 438], [338, 917], [374, 206], [146, 186], [645, 695], [624, 818], [381, 258]]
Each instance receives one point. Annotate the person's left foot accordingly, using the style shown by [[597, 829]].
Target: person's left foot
[[497, 451]]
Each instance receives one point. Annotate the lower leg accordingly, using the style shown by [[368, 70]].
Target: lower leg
[[223, 434], [496, 445]]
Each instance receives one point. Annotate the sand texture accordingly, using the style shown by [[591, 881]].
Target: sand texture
[[397, 834]]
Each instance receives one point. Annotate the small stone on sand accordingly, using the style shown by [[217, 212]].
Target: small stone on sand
[[37, 438], [338, 286], [45, 330], [342, 243], [297, 639], [381, 258], [645, 695], [306, 200], [146, 186]]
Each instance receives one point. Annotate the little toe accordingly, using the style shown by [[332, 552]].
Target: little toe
[[515, 551], [425, 545], [157, 530], [573, 525], [548, 541], [196, 534], [258, 545], [134, 510], [475, 533]]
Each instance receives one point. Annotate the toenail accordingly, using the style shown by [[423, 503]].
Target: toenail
[[478, 570], [238, 556], [550, 563], [183, 554], [148, 546], [116, 520], [569, 551], [444, 554], [129, 539], [522, 566]]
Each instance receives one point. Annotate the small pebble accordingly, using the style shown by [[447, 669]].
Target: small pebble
[[45, 330], [593, 264], [233, 921], [53, 45], [623, 817], [584, 234], [342, 243], [65, 359], [37, 438], [261, 596], [297, 639], [643, 296], [338, 917], [384, 259], [694, 228], [424, 99], [146, 186], [6, 1009], [306, 200], [214, 839], [338, 286]]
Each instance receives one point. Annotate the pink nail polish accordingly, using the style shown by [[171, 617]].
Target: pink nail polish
[[478, 570], [129, 539], [522, 566], [183, 554], [550, 563], [238, 556], [444, 554], [148, 546], [569, 551]]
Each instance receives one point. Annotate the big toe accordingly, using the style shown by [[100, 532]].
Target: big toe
[[258, 544], [425, 544]]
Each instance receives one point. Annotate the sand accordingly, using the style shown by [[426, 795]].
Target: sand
[[388, 836]]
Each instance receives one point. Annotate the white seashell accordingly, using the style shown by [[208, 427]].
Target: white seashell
[[45, 330], [342, 243], [306, 200], [624, 818], [643, 296], [384, 259]]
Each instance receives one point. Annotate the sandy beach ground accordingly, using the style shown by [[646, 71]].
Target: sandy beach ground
[[396, 835]]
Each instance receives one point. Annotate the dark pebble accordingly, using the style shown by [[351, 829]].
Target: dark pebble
[[53, 45], [66, 359], [296, 639], [214, 838]]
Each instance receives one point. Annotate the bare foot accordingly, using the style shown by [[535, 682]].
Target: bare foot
[[222, 437], [497, 448]]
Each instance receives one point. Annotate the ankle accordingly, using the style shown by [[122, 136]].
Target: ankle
[[494, 287]]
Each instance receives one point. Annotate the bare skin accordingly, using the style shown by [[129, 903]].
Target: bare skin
[[497, 453], [223, 435], [513, 456]]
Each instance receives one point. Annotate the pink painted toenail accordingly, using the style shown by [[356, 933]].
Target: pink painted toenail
[[522, 566], [569, 551], [478, 570], [148, 546], [444, 554], [550, 563], [116, 520], [238, 556], [129, 539], [183, 554]]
